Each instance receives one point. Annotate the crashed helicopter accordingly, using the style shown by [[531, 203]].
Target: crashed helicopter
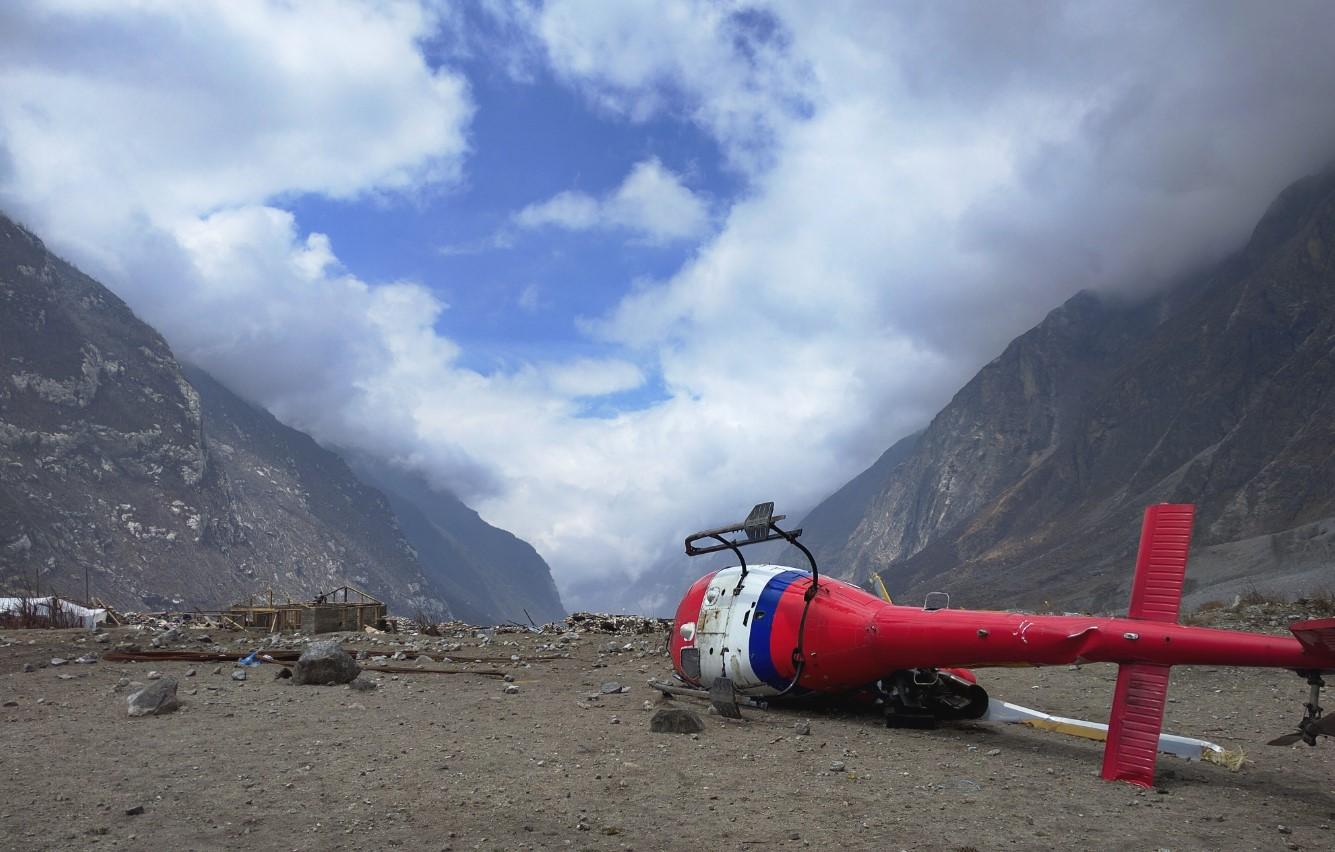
[[768, 632]]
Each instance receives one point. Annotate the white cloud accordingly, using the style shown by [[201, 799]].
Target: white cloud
[[165, 111], [572, 210], [725, 65], [593, 377], [651, 202]]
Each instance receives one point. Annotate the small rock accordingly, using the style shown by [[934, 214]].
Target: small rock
[[58, 661], [11, 704], [154, 675], [614, 721], [283, 673], [837, 766], [189, 672], [217, 669], [239, 674], [512, 689], [155, 699], [1284, 829], [361, 684], [803, 727], [993, 752], [509, 678], [134, 811], [87, 659], [648, 705], [423, 660], [29, 667], [675, 720], [102, 638], [611, 687]]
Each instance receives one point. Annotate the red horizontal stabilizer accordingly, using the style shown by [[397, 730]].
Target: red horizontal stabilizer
[[1318, 637], [1133, 727], [1161, 565]]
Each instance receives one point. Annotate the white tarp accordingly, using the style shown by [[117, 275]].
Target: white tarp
[[67, 613]]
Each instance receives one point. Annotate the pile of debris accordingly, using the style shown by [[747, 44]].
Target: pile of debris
[[1258, 613], [601, 622]]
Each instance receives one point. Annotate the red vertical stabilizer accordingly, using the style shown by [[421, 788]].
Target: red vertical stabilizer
[[1133, 728], [1142, 688], [1161, 565]]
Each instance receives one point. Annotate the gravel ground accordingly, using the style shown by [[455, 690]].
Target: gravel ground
[[453, 762]]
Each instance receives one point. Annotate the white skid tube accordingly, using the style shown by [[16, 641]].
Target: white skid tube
[[1186, 747]]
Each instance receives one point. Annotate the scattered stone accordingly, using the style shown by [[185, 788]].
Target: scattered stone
[[283, 672], [837, 766], [11, 704], [614, 721], [326, 662], [155, 699], [803, 728], [361, 684], [154, 675], [648, 705], [424, 660], [58, 661], [189, 672], [512, 689], [509, 678], [29, 667], [134, 811], [102, 638], [993, 752], [239, 674], [217, 670], [611, 687], [675, 720]]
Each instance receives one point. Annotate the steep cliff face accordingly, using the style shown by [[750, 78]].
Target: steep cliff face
[[489, 574], [311, 523], [150, 485], [103, 466], [1028, 486]]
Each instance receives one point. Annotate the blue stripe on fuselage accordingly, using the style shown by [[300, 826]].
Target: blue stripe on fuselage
[[761, 626]]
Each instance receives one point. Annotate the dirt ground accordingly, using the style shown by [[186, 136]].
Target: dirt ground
[[452, 762]]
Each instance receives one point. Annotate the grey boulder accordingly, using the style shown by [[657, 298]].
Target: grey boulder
[[155, 699], [675, 720], [325, 662]]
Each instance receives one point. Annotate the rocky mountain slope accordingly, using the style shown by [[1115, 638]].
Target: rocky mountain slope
[[489, 575], [151, 486], [1028, 487]]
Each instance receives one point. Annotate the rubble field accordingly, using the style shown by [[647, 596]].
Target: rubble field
[[503, 739]]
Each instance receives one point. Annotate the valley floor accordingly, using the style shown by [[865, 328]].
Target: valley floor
[[452, 762]]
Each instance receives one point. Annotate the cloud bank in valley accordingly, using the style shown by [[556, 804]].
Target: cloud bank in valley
[[920, 182]]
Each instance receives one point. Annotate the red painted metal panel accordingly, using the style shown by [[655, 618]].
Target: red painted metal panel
[[1133, 727], [1316, 635], [1161, 565]]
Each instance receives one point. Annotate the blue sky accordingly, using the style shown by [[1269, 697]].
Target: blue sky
[[613, 271]]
